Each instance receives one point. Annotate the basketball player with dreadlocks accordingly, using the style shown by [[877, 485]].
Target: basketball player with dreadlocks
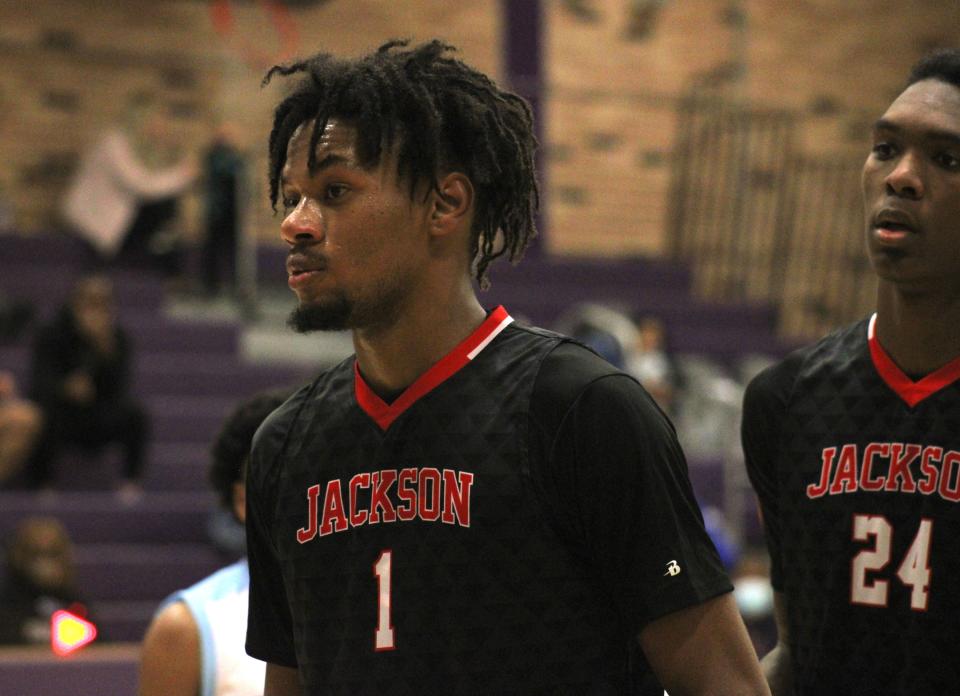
[[466, 506], [853, 444]]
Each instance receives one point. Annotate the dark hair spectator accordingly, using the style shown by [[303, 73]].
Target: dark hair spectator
[[81, 379]]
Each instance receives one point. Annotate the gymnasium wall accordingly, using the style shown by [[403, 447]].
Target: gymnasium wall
[[66, 68], [612, 98]]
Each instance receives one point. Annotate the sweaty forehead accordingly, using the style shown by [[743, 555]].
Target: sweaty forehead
[[337, 138], [929, 104]]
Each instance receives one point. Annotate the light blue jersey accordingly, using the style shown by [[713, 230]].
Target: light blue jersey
[[219, 607]]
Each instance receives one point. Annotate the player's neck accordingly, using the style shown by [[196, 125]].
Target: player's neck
[[392, 358], [920, 332]]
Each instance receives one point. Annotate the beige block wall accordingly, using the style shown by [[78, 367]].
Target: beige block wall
[[66, 67], [835, 63], [106, 50]]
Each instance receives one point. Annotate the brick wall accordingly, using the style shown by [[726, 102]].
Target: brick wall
[[68, 65], [835, 63]]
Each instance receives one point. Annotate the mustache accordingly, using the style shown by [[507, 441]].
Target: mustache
[[301, 258]]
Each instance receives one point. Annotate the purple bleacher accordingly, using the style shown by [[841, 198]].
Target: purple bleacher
[[97, 670], [706, 477], [51, 249], [157, 334], [15, 358], [148, 571], [97, 518], [187, 419], [210, 375], [48, 287], [124, 620]]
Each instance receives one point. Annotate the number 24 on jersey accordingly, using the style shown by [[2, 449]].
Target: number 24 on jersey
[[914, 569]]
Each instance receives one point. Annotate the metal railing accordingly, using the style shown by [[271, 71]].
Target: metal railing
[[760, 222]]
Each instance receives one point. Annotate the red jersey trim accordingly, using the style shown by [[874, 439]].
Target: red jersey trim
[[384, 414], [908, 390]]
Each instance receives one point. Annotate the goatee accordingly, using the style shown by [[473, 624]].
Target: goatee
[[317, 317]]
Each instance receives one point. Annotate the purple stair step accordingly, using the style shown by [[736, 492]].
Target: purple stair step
[[187, 419], [626, 273], [152, 335], [176, 341], [50, 248], [141, 571], [202, 376], [546, 307], [123, 621], [15, 358], [165, 477], [725, 343], [100, 517], [97, 670], [165, 373], [48, 287], [177, 466]]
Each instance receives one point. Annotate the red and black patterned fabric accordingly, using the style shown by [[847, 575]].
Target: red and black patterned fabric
[[857, 469], [506, 525]]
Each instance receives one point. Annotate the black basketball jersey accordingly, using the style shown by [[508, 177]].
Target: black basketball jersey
[[507, 525], [857, 469]]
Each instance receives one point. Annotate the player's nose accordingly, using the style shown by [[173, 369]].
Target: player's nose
[[302, 224], [906, 177]]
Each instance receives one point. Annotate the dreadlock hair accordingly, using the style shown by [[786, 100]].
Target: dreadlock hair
[[230, 450], [942, 64], [441, 115]]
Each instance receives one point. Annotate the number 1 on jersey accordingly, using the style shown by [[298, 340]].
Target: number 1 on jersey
[[383, 637]]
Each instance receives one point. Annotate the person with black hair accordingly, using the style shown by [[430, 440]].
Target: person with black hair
[[194, 645], [38, 578], [853, 443], [466, 505], [81, 377]]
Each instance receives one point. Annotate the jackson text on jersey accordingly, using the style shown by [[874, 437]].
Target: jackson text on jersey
[[426, 494], [890, 467]]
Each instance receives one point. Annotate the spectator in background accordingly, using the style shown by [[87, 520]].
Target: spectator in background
[[81, 379], [15, 317], [223, 168], [20, 423], [652, 364], [194, 646], [39, 579], [125, 190]]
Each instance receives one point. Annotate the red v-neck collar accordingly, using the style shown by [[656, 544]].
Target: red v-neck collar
[[384, 414], [908, 390]]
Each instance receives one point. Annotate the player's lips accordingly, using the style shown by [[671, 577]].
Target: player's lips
[[892, 226], [301, 269]]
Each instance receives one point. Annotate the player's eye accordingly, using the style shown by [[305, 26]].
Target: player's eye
[[947, 160], [883, 150], [289, 203], [335, 191]]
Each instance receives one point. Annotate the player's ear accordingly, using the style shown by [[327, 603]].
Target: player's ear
[[452, 204]]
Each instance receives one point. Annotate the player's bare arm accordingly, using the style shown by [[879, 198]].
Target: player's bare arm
[[170, 663], [703, 650], [281, 681], [776, 663]]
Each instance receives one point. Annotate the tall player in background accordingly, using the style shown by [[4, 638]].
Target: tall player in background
[[194, 645], [853, 444], [465, 506]]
